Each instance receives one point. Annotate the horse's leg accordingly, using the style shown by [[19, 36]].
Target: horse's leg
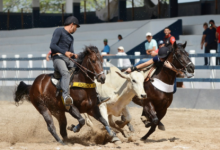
[[61, 117], [97, 115], [49, 120], [76, 114], [149, 112], [152, 129]]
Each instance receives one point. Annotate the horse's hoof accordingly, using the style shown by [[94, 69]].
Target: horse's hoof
[[148, 124], [61, 142], [74, 128], [71, 127], [161, 127], [143, 138]]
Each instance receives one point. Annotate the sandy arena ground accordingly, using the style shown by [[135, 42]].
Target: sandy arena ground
[[23, 128]]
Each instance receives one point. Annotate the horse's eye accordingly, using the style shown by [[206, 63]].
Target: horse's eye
[[134, 81]]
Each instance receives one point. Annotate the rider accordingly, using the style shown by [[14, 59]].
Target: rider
[[61, 50], [161, 57]]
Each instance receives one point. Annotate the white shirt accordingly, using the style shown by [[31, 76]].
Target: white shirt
[[123, 62]]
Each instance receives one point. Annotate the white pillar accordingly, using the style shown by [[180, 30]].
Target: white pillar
[[69, 5], [30, 65], [35, 3], [4, 65], [194, 62], [44, 63], [137, 54], [1, 5], [17, 65], [213, 71]]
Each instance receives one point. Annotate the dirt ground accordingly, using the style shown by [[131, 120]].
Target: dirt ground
[[23, 128]]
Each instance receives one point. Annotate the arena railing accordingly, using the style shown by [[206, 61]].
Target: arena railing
[[44, 67]]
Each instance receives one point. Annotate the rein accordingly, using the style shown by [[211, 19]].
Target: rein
[[85, 70], [179, 71]]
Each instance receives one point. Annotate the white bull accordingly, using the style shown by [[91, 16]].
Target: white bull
[[121, 88]]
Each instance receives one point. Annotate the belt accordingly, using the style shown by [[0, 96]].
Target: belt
[[56, 54]]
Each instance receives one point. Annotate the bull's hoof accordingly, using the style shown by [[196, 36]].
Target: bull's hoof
[[115, 139], [120, 123], [130, 127]]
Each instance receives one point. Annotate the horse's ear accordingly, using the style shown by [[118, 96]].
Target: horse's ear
[[88, 49], [125, 76], [175, 46], [184, 45]]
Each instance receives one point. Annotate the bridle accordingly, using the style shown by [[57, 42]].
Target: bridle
[[85, 70], [184, 69]]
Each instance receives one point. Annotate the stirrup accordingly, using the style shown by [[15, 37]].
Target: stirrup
[[67, 101]]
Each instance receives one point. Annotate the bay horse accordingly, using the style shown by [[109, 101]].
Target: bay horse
[[42, 94], [156, 104]]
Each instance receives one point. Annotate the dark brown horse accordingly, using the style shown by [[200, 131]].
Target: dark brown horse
[[42, 94], [157, 102]]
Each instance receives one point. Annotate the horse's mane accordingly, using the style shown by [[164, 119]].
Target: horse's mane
[[85, 52]]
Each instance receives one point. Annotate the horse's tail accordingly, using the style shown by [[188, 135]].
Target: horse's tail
[[22, 92]]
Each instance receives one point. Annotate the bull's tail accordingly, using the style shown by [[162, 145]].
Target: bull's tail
[[22, 92], [88, 120]]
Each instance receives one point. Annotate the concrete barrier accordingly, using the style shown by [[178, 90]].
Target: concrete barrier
[[183, 98]]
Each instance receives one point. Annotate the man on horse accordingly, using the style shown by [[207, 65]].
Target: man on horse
[[62, 50]]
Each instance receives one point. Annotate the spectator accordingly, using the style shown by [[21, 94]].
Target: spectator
[[48, 54], [210, 33], [168, 39], [204, 41], [218, 40], [119, 37], [106, 47], [151, 44], [160, 44], [123, 63]]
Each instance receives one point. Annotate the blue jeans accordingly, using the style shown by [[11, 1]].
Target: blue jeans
[[174, 88], [218, 58], [141, 62]]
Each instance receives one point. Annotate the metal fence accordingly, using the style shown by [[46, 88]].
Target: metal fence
[[44, 67]]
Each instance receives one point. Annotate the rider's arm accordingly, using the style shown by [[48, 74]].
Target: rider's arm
[[149, 62], [54, 41]]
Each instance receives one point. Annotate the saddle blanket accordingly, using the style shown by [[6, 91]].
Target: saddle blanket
[[75, 84], [160, 85]]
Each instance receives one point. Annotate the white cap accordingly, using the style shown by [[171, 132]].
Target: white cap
[[121, 47], [148, 34]]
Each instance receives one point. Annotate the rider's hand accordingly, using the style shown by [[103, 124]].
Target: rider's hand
[[68, 54], [128, 70], [75, 55], [167, 64]]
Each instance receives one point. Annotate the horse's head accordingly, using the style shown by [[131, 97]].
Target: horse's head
[[93, 62], [136, 80], [180, 58]]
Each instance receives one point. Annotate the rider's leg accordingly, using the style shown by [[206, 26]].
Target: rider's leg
[[60, 65], [141, 62]]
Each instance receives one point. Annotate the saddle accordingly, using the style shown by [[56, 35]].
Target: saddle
[[149, 71], [55, 79]]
